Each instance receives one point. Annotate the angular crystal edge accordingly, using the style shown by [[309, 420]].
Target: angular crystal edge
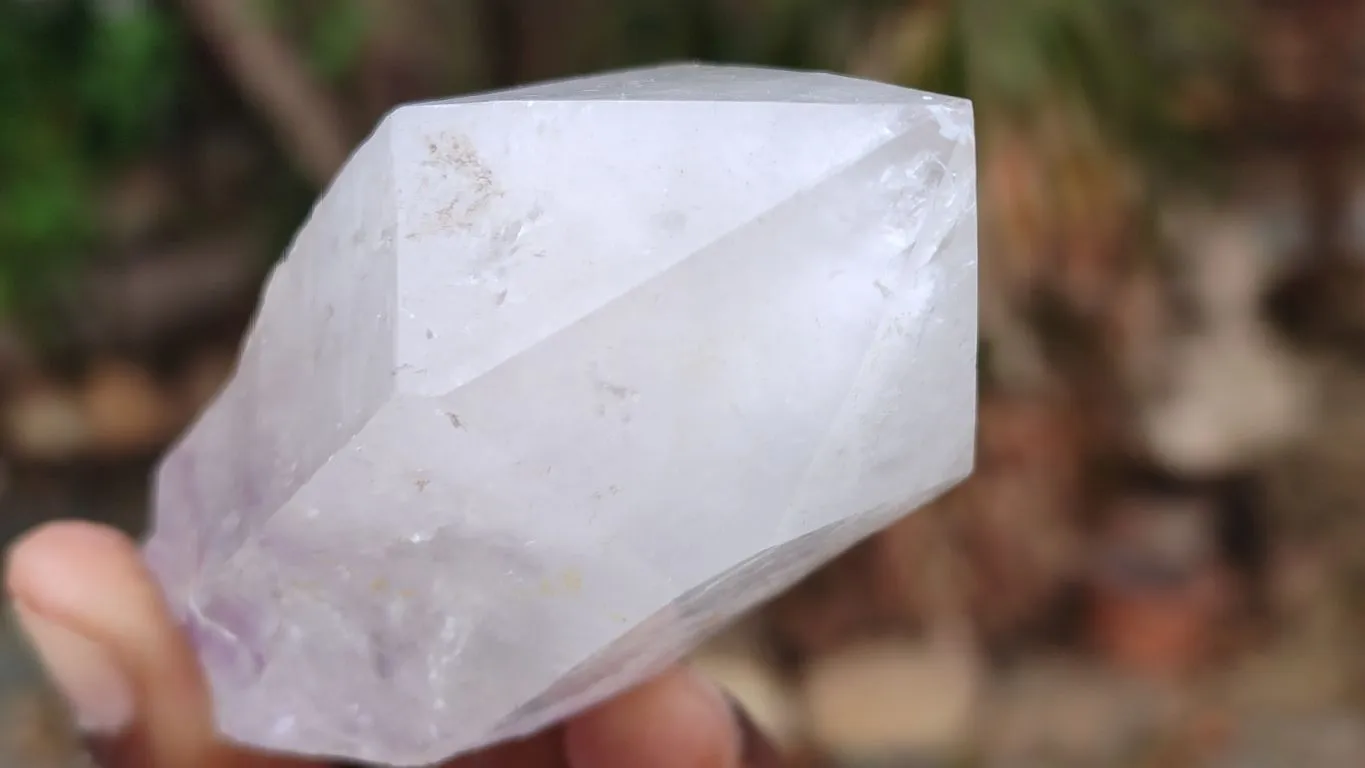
[[498, 253], [487, 572], [220, 483], [669, 635], [933, 308]]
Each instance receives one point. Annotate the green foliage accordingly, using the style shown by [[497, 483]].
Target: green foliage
[[86, 85], [788, 33], [1123, 61], [128, 81], [335, 41], [82, 89], [330, 34]]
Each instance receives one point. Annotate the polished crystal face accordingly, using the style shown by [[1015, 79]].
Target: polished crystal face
[[554, 382]]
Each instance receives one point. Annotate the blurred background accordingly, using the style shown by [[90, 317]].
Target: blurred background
[[1161, 558]]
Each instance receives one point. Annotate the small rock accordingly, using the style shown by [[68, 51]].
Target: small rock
[[1235, 393], [886, 699], [1237, 397], [46, 423], [126, 409]]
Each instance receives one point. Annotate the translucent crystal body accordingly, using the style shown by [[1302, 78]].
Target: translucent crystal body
[[555, 381]]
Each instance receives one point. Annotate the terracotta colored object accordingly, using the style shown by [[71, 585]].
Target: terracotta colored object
[[1158, 594], [1163, 632]]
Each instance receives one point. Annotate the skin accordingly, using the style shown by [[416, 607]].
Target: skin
[[82, 593]]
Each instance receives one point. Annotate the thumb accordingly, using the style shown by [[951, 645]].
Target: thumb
[[97, 691], [98, 621]]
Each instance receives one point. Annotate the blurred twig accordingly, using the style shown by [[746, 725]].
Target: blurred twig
[[308, 121]]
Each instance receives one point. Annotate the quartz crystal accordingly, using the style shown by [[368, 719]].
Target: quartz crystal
[[556, 381]]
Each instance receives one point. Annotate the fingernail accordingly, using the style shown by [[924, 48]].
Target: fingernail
[[97, 690], [756, 749]]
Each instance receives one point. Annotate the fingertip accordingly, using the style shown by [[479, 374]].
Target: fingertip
[[678, 720], [37, 562], [88, 580]]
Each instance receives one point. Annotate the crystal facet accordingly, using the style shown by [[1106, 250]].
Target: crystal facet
[[555, 381]]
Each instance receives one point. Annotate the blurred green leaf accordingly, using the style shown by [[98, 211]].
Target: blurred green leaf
[[84, 86], [130, 75], [337, 38], [1121, 61]]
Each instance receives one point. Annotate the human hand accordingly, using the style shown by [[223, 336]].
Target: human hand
[[98, 621]]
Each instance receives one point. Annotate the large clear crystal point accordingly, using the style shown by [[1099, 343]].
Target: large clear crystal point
[[555, 381]]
